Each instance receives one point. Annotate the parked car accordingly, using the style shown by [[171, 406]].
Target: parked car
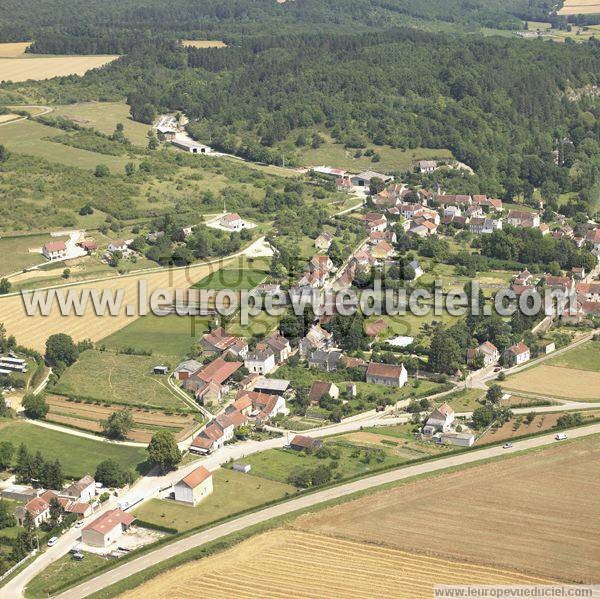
[[79, 524], [560, 436], [507, 446], [77, 556], [498, 369], [52, 541]]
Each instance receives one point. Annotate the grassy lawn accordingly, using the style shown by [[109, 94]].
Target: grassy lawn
[[118, 378], [170, 336], [392, 159], [104, 116], [278, 464], [16, 255], [77, 455], [260, 325], [233, 492], [236, 279], [62, 572], [584, 357], [28, 137], [464, 401]]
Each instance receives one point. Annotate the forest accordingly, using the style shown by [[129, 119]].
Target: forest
[[501, 105], [115, 26]]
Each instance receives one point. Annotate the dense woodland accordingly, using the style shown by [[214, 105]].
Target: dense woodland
[[501, 105], [117, 25]]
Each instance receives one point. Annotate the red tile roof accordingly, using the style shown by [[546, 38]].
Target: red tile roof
[[385, 370], [109, 520], [196, 477], [218, 371], [55, 246]]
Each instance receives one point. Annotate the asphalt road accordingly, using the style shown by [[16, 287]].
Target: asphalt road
[[307, 501]]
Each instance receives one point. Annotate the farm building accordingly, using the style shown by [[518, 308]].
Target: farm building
[[194, 487], [271, 386], [364, 179], [302, 443], [191, 146], [427, 166], [106, 529]]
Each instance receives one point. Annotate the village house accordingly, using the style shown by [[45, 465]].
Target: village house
[[382, 250], [559, 283], [88, 246], [488, 350], [343, 184], [232, 221], [389, 236], [316, 338], [118, 245], [364, 179], [440, 420], [390, 375], [484, 226], [261, 360], [209, 439], [593, 237], [321, 262], [261, 406], [82, 490], [312, 279], [452, 211], [304, 443], [183, 233], [323, 241], [280, 347], [320, 389], [194, 487], [219, 341], [37, 508], [517, 354], [71, 506], [55, 250], [523, 218], [326, 360], [107, 528], [427, 166]]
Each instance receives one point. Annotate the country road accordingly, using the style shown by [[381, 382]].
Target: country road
[[150, 559]]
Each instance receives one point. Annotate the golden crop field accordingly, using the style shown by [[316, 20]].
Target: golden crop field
[[203, 44], [13, 49], [536, 513], [301, 564], [556, 381], [22, 69], [32, 331], [580, 7]]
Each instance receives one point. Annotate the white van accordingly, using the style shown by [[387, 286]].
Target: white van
[[560, 437]]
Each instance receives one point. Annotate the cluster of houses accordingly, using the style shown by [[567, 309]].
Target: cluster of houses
[[576, 283], [77, 498], [76, 246]]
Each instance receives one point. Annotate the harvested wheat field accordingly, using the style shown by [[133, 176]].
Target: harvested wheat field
[[536, 513], [203, 44], [32, 331], [556, 381], [13, 49], [300, 564], [22, 69], [580, 7]]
